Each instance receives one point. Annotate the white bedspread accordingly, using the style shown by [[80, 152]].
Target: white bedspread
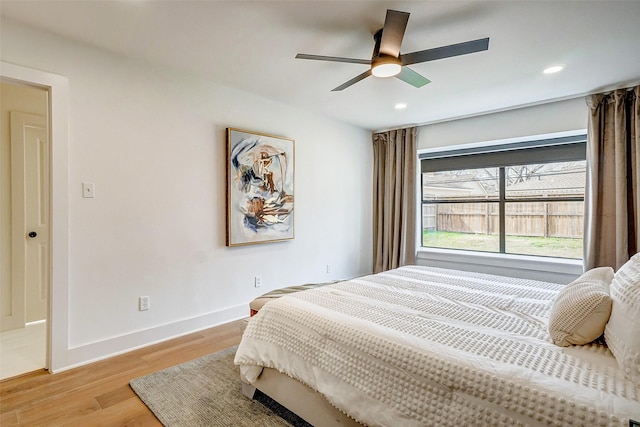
[[420, 346]]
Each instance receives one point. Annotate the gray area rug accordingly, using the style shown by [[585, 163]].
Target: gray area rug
[[207, 392]]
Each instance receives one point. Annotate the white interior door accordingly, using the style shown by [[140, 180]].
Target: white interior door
[[30, 218], [55, 106]]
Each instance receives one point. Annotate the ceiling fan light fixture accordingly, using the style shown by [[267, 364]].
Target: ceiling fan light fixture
[[386, 66]]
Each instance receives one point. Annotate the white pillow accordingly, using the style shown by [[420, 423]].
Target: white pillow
[[582, 308], [622, 333]]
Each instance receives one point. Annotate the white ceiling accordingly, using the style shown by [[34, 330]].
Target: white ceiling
[[252, 45]]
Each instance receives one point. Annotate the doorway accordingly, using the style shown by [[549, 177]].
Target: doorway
[[24, 227]]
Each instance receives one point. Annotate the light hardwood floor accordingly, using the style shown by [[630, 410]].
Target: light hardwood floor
[[99, 394]]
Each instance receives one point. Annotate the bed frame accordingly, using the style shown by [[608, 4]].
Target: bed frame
[[303, 401]]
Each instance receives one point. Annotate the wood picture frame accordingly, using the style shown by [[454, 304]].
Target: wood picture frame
[[260, 188]]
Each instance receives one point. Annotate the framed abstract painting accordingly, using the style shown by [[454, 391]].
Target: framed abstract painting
[[260, 185]]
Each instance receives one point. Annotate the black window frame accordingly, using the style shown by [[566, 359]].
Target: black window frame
[[501, 156]]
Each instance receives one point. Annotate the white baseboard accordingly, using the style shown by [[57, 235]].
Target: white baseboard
[[99, 350]]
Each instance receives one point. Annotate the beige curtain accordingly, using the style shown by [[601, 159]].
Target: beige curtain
[[394, 199], [612, 212]]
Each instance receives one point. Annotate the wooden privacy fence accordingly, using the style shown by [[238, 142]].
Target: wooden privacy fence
[[546, 219]]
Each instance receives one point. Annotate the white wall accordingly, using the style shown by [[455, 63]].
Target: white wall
[[152, 140], [555, 117]]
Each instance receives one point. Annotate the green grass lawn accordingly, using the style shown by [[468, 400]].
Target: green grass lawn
[[522, 245]]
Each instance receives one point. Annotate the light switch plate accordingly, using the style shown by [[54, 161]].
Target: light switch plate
[[87, 190]]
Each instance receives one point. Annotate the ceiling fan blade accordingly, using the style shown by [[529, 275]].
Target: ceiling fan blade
[[333, 58], [352, 81], [445, 51], [407, 75], [395, 25]]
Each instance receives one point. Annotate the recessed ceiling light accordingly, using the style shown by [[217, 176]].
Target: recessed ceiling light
[[553, 69], [400, 106]]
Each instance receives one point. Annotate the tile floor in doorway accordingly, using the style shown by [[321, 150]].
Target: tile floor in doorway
[[23, 350]]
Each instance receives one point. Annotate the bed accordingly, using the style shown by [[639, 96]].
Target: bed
[[423, 346]]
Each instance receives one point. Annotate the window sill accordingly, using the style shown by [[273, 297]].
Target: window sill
[[558, 270]]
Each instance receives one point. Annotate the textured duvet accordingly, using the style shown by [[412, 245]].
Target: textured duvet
[[422, 346]]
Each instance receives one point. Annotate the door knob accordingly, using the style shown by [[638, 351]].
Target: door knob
[[32, 234]]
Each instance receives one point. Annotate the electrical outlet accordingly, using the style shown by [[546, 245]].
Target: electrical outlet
[[257, 281], [328, 268], [143, 303]]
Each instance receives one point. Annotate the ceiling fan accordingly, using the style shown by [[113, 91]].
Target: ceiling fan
[[387, 61]]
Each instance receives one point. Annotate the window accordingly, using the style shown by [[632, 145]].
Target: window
[[522, 198]]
